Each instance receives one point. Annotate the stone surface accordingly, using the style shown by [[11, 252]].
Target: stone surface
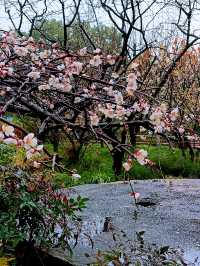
[[168, 212]]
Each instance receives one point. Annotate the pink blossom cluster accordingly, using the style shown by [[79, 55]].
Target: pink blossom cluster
[[131, 84], [141, 106], [113, 111], [141, 156], [29, 142], [80, 91], [163, 119]]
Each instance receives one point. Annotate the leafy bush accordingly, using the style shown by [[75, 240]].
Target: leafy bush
[[34, 211]]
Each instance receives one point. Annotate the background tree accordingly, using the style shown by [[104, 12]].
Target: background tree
[[105, 37]]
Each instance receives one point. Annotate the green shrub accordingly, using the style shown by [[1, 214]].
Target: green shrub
[[6, 154], [32, 210]]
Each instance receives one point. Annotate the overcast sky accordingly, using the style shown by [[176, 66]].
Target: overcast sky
[[4, 22], [163, 20], [54, 6]]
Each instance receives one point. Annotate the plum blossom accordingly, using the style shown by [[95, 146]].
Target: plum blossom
[[136, 195], [141, 106], [97, 51], [141, 156], [10, 70], [30, 141], [108, 111], [31, 40], [55, 83], [27, 43], [181, 130], [74, 68], [119, 98], [45, 54], [94, 119], [55, 45], [77, 100], [34, 57], [21, 51], [159, 128], [9, 37], [163, 107], [33, 151], [36, 164], [115, 75], [43, 87], [83, 51], [3, 73], [67, 85], [174, 114], [109, 91], [96, 61], [76, 176], [51, 106], [145, 107], [120, 112], [156, 115], [4, 70], [132, 84], [62, 65], [127, 165], [136, 107], [110, 59], [34, 75], [160, 119], [10, 141], [8, 89], [157, 119], [8, 130]]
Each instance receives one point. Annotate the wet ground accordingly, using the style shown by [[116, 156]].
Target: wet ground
[[168, 212]]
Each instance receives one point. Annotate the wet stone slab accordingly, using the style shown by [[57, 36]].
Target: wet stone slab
[[168, 212]]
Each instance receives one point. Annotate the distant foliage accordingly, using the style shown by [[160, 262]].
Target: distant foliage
[[106, 37]]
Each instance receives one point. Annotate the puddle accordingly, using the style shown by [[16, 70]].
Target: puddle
[[182, 185], [90, 228], [192, 256], [85, 231], [96, 226], [146, 202]]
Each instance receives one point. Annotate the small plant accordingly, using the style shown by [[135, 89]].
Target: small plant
[[139, 253], [34, 212], [6, 153]]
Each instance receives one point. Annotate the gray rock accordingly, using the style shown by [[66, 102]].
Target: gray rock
[[167, 210]]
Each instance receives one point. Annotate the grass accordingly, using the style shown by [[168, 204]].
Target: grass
[[6, 154], [170, 162], [95, 166]]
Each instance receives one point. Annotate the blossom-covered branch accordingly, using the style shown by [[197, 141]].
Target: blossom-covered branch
[[81, 95]]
